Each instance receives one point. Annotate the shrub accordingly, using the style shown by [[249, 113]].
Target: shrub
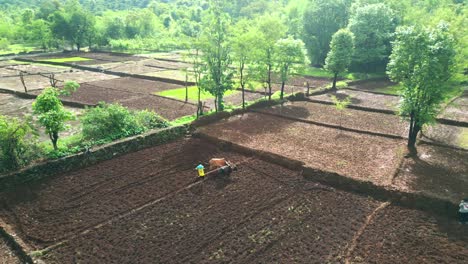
[[113, 121], [17, 143]]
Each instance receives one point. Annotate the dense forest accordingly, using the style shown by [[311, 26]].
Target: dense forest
[[138, 25]]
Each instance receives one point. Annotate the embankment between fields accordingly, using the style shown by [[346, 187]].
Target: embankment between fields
[[443, 121], [47, 169], [418, 201]]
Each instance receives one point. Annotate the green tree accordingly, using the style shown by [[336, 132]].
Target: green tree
[[244, 39], [51, 113], [322, 18], [271, 30], [422, 61], [341, 51], [216, 54], [290, 58], [81, 27], [17, 139], [373, 27]]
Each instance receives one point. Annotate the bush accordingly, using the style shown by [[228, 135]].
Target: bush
[[17, 143], [113, 121]]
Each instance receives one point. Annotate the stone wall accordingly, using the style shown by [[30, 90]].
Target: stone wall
[[40, 171]]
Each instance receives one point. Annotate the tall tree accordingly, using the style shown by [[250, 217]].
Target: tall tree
[[373, 26], [243, 42], [422, 61], [81, 26], [290, 58], [322, 18], [341, 51], [216, 54], [271, 30]]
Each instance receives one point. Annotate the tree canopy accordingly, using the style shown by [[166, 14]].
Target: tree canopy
[[341, 52], [423, 62]]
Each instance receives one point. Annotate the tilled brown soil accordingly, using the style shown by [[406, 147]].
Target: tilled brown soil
[[234, 99], [364, 157], [372, 85], [302, 81], [254, 213], [33, 82], [38, 68], [437, 171], [144, 207], [400, 235], [96, 58], [131, 67], [169, 109], [67, 204], [349, 118], [38, 82], [136, 85], [448, 135], [364, 99], [458, 109], [7, 256], [13, 106]]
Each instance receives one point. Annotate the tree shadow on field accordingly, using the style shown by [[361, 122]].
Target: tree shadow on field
[[292, 110], [342, 96], [443, 173]]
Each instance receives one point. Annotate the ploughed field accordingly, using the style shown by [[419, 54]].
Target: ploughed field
[[356, 155], [145, 207], [7, 256], [361, 145]]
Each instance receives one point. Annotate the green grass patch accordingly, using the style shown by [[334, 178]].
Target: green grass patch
[[394, 89], [316, 72], [183, 120], [463, 140], [66, 146], [17, 48], [70, 59], [354, 76], [339, 85], [179, 94]]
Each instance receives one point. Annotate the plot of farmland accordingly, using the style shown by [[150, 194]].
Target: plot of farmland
[[364, 157], [145, 207], [38, 82], [458, 109], [168, 108], [302, 81], [6, 254], [410, 236], [364, 99], [87, 58], [135, 85], [13, 106], [438, 171], [178, 75], [349, 118]]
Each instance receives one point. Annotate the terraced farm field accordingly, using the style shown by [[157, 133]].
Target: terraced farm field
[[147, 207]]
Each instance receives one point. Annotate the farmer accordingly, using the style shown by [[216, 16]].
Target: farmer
[[463, 211], [201, 171]]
